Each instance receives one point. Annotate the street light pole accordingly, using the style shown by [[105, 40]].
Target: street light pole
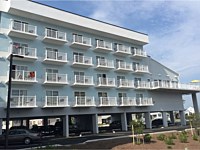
[[8, 99]]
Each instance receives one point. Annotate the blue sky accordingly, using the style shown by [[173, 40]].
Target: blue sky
[[173, 27]]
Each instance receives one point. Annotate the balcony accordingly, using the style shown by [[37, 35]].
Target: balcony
[[28, 53], [23, 102], [122, 50], [103, 47], [55, 79], [144, 102], [175, 86], [22, 30], [138, 53], [124, 67], [106, 82], [81, 81], [104, 64], [55, 58], [23, 77], [81, 42], [107, 101], [56, 101], [141, 69], [84, 101], [82, 61], [125, 84], [55, 37], [142, 85], [127, 101]]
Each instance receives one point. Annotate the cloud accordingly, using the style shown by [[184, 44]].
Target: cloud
[[172, 26]]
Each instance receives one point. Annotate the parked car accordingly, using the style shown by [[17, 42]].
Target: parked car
[[19, 127], [116, 125], [21, 136], [73, 129], [156, 123]]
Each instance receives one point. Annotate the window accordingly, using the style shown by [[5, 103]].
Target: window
[[52, 53], [120, 95], [21, 26], [99, 43], [19, 92], [102, 94], [52, 74], [135, 65], [20, 48], [51, 32], [119, 63], [78, 57], [79, 77], [117, 46], [52, 93], [79, 94], [133, 50], [100, 60], [78, 38]]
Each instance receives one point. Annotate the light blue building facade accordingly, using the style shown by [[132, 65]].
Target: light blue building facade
[[76, 66]]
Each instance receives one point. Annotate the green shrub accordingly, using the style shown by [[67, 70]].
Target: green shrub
[[183, 137], [169, 147], [147, 138], [161, 137], [173, 136], [195, 137], [169, 141]]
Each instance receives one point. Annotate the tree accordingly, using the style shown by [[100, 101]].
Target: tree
[[138, 129]]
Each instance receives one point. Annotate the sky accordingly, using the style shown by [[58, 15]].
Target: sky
[[173, 28]]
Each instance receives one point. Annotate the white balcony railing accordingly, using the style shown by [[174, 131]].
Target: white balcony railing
[[23, 101], [122, 49], [174, 85], [124, 66], [107, 101], [127, 101], [144, 101], [141, 68], [49, 33], [83, 80], [104, 63], [81, 40], [84, 101], [21, 75], [142, 85], [55, 56], [104, 45], [108, 82], [84, 60], [56, 101], [56, 78], [139, 53], [24, 51], [124, 83], [23, 27]]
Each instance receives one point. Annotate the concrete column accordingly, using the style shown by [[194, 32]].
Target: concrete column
[[148, 120], [124, 122], [195, 103], [95, 127], [1, 125], [172, 117], [182, 117], [164, 117], [65, 126]]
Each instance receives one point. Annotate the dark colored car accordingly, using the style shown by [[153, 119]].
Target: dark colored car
[[73, 129], [19, 127], [116, 125], [158, 123], [20, 136]]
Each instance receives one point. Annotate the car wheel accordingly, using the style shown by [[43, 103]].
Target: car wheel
[[27, 141]]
